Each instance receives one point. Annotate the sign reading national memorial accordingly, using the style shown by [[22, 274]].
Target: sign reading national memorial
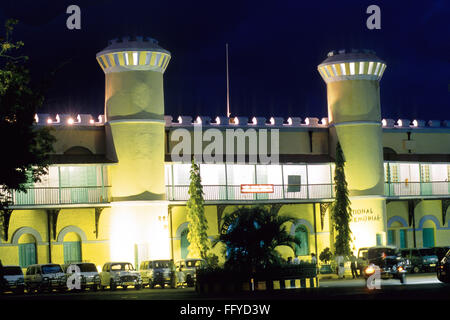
[[364, 215]]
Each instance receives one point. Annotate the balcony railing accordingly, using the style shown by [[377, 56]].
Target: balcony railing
[[434, 188], [305, 192], [233, 192], [61, 195]]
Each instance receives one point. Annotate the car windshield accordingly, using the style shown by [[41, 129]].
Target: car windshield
[[194, 263], [87, 267], [427, 252], [122, 267], [12, 271], [51, 269], [378, 252], [161, 264]]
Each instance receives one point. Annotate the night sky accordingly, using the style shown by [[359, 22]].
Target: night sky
[[274, 48]]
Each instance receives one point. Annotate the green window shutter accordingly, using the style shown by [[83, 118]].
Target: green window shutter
[[72, 251], [27, 254], [184, 244], [391, 237], [403, 238], [428, 237]]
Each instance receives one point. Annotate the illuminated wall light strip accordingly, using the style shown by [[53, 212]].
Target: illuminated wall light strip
[[148, 57], [289, 121], [322, 73], [157, 59], [382, 70], [112, 60], [361, 67], [162, 61], [142, 58], [100, 61], [384, 122], [415, 123], [136, 58], [352, 68], [330, 72], [343, 69], [153, 58], [369, 71], [377, 68], [326, 72], [333, 67], [116, 59], [107, 61]]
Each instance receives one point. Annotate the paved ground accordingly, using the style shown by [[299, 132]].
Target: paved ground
[[336, 298], [418, 286]]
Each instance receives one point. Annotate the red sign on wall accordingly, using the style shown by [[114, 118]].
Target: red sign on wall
[[257, 188]]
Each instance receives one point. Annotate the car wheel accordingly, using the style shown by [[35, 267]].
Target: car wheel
[[112, 285], [124, 287], [94, 287], [137, 287], [416, 269], [189, 281]]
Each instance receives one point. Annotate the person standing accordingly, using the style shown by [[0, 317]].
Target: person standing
[[353, 266], [313, 258]]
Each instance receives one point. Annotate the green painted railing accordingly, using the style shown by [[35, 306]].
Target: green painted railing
[[61, 195], [406, 188]]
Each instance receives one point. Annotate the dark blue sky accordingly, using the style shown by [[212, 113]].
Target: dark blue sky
[[274, 47]]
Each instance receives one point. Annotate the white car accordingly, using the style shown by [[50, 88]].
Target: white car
[[40, 277], [13, 279], [89, 277], [123, 274]]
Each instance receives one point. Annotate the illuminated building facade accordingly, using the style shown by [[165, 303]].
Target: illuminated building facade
[[115, 191]]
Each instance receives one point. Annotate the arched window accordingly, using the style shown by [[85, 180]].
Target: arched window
[[301, 233], [27, 250], [72, 248], [184, 244]]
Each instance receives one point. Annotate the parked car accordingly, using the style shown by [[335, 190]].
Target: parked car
[[158, 272], [88, 273], [420, 260], [443, 268], [40, 277], [188, 268], [389, 262], [123, 274], [13, 280], [430, 259]]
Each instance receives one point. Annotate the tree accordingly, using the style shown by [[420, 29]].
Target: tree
[[326, 255], [199, 244], [25, 147], [341, 210], [251, 236]]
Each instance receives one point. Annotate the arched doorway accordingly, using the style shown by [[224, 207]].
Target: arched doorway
[[301, 233], [27, 250], [184, 244], [72, 248]]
